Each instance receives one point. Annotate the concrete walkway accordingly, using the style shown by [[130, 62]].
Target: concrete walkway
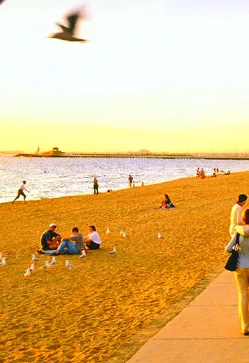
[[207, 330]]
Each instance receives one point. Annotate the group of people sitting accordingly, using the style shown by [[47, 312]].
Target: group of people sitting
[[53, 244], [200, 173]]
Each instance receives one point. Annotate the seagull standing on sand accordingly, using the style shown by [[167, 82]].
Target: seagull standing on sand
[[68, 32], [34, 258], [27, 272], [125, 235], [47, 265], [3, 263], [159, 235], [68, 264], [53, 262], [121, 232], [113, 251], [83, 254], [108, 230]]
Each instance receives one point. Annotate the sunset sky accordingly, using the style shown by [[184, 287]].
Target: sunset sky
[[162, 75]]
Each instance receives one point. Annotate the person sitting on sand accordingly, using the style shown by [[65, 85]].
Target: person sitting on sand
[[50, 240], [72, 245], [236, 212], [166, 202], [93, 241]]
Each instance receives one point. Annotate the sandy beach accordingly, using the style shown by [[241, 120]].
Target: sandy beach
[[88, 313]]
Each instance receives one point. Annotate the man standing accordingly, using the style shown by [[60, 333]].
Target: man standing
[[236, 213], [50, 240], [21, 192], [130, 180]]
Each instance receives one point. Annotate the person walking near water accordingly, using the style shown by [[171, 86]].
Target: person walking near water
[[95, 186], [21, 192], [130, 181]]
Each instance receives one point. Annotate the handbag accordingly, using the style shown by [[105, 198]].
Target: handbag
[[232, 262]]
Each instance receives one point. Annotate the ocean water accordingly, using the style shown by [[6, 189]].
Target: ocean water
[[56, 177]]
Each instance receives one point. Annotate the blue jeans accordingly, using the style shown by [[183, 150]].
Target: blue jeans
[[68, 247]]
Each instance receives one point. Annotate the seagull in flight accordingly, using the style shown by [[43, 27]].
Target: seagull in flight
[[68, 32]]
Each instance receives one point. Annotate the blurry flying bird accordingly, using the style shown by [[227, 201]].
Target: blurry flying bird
[[113, 251], [68, 32]]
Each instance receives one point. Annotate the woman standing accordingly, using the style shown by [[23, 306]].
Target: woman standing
[[95, 186], [242, 270]]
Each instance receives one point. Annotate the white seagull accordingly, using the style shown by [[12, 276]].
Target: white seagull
[[108, 230], [83, 254], [27, 272], [68, 32], [3, 263], [159, 235], [113, 251], [121, 232], [68, 264], [53, 262], [125, 235], [47, 265], [34, 258]]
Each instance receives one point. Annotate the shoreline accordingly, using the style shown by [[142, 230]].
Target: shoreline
[[114, 297]]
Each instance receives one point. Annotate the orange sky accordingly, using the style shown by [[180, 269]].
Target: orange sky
[[172, 76]]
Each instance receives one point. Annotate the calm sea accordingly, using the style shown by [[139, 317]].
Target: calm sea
[[56, 177]]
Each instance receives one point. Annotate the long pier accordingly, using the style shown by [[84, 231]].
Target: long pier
[[218, 156]]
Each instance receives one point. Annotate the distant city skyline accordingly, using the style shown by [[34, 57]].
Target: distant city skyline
[[167, 75]]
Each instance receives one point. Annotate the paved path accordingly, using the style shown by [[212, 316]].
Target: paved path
[[207, 330]]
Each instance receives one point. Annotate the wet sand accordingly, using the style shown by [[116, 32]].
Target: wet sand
[[87, 313]]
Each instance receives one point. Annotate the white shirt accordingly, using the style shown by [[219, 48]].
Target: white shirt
[[94, 237], [23, 187], [235, 217]]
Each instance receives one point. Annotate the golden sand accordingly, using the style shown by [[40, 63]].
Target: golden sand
[[87, 313]]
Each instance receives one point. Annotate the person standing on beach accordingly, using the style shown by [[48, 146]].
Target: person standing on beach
[[95, 186], [21, 192], [236, 212], [130, 180], [242, 271]]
